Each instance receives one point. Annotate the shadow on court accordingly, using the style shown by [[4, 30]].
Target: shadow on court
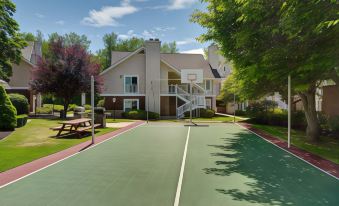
[[278, 177]]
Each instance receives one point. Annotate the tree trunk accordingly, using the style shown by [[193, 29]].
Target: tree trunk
[[66, 104], [313, 127]]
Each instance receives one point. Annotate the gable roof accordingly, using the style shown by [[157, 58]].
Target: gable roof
[[123, 59], [176, 61], [31, 53], [188, 61]]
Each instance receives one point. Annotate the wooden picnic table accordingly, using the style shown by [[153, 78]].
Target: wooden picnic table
[[78, 126]]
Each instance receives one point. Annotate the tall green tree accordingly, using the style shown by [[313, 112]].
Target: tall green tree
[[11, 42], [170, 47], [269, 40]]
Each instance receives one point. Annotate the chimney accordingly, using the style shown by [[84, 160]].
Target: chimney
[[213, 56], [152, 54]]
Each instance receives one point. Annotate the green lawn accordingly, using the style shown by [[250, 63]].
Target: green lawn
[[35, 140], [110, 120], [328, 147]]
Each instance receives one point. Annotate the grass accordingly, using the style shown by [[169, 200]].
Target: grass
[[110, 120], [327, 147], [35, 140]]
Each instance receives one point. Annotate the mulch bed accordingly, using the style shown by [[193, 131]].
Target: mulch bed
[[317, 161], [4, 134]]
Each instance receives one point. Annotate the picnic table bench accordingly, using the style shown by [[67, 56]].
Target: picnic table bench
[[77, 126]]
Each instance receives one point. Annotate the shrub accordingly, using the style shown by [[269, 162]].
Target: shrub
[[87, 107], [207, 113], [57, 107], [7, 112], [101, 103], [140, 114], [21, 120], [20, 103], [71, 107], [43, 110], [240, 113], [333, 123]]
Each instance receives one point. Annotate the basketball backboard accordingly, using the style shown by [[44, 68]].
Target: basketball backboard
[[192, 76]]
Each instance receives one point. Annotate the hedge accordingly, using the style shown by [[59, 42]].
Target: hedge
[[101, 103], [21, 120], [20, 102], [140, 114], [7, 112], [207, 113]]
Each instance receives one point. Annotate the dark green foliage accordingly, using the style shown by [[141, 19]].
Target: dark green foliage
[[11, 41], [333, 124], [240, 113], [140, 114], [21, 120], [7, 112], [207, 113], [20, 102]]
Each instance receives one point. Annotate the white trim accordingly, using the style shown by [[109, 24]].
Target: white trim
[[122, 60], [288, 151], [130, 100], [182, 169], [131, 75], [171, 66], [123, 95], [69, 156]]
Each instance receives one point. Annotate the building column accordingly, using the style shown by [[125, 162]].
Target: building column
[[83, 99], [38, 100]]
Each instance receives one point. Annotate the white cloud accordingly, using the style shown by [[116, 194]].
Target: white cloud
[[128, 35], [164, 29], [186, 41], [41, 16], [108, 15], [60, 22], [180, 4], [194, 51]]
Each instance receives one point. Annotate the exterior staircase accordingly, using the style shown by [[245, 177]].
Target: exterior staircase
[[198, 100]]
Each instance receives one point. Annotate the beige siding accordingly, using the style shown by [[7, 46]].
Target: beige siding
[[21, 75], [114, 78]]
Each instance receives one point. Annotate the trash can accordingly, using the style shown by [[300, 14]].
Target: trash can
[[79, 112], [100, 116]]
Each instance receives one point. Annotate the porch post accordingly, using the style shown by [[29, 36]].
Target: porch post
[[83, 99]]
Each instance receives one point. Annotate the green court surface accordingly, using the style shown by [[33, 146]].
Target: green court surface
[[225, 165]]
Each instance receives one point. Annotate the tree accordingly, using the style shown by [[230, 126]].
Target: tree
[[66, 72], [269, 40], [7, 112], [27, 36], [170, 47], [11, 42]]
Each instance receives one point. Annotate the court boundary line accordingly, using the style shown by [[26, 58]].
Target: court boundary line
[[65, 158], [322, 170], [182, 169]]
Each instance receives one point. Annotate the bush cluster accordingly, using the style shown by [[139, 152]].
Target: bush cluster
[[101, 103], [20, 102], [140, 114], [7, 112], [57, 108], [207, 113], [21, 120]]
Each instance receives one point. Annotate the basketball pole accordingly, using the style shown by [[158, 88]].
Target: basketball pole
[[289, 112], [92, 104], [191, 102]]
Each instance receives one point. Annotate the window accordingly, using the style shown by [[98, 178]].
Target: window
[[208, 85], [208, 103], [130, 104], [131, 84]]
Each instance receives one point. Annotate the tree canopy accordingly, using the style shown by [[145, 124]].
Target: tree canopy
[[269, 40], [11, 42], [66, 72]]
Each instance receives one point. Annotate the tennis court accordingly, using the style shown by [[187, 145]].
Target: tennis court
[[224, 164]]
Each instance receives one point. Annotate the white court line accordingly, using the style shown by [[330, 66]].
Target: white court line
[[177, 195], [36, 171], [289, 152]]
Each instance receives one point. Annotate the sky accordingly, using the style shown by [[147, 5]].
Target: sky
[[167, 20]]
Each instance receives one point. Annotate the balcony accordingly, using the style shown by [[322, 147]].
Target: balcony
[[131, 89]]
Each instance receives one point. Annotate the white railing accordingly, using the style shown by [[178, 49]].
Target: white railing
[[131, 88]]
